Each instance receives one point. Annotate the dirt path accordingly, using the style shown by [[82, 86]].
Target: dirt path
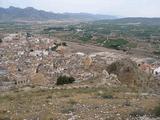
[[87, 48]]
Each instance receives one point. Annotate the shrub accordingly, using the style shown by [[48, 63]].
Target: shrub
[[64, 80], [157, 111], [137, 113], [54, 48], [49, 97], [68, 110], [107, 96], [115, 44]]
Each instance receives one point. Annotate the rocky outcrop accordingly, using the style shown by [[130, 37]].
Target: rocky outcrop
[[128, 73], [109, 79]]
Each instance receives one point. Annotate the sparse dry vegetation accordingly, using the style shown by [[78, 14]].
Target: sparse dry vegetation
[[82, 103]]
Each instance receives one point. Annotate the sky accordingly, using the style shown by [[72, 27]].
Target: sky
[[124, 8]]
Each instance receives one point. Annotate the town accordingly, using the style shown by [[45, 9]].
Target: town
[[29, 61], [78, 66]]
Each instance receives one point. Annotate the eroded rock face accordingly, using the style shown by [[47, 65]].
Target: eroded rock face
[[109, 79], [128, 73]]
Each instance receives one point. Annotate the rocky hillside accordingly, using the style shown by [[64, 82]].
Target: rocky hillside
[[129, 73]]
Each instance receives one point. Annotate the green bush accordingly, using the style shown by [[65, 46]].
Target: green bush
[[86, 37], [157, 111], [64, 80], [115, 44]]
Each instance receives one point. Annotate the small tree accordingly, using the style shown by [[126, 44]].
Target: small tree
[[64, 80]]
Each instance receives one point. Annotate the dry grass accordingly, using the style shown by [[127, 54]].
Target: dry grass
[[84, 103]]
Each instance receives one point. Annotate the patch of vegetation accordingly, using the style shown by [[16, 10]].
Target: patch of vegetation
[[100, 41], [156, 52], [72, 102], [64, 80], [86, 37], [54, 28], [71, 28], [54, 48], [68, 110], [132, 45], [137, 113], [107, 96], [115, 44], [156, 111], [6, 98], [49, 97]]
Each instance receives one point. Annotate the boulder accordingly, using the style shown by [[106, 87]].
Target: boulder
[[109, 79]]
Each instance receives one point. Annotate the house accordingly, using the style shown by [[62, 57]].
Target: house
[[21, 80]]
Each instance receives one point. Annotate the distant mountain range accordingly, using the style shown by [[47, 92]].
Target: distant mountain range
[[133, 21], [32, 14]]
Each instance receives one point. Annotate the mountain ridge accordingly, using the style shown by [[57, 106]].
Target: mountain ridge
[[32, 14]]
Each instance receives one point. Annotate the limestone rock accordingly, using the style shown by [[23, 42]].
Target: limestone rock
[[128, 72]]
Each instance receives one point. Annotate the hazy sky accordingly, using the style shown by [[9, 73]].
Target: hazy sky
[[138, 8]]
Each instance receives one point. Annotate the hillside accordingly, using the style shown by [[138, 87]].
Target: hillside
[[133, 21], [32, 14]]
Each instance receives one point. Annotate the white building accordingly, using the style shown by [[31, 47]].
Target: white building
[[157, 71]]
